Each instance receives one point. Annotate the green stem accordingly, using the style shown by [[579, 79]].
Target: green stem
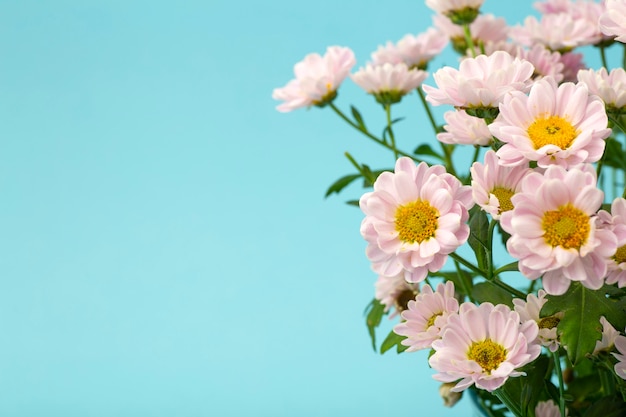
[[603, 56], [464, 285], [359, 168], [468, 39], [429, 112], [467, 264], [606, 379], [508, 288], [559, 374], [513, 266], [511, 404], [369, 135], [617, 123], [489, 249], [392, 138]]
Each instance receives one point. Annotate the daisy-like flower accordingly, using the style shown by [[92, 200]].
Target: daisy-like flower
[[395, 292], [546, 62], [572, 63], [317, 79], [459, 11], [481, 82], [620, 366], [554, 124], [414, 218], [484, 345], [553, 6], [493, 185], [612, 20], [610, 87], [616, 221], [426, 316], [464, 129], [609, 334], [486, 30], [555, 231], [414, 51], [548, 409], [556, 31], [388, 83], [530, 309]]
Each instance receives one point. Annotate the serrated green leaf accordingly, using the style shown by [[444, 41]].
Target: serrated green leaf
[[580, 326], [358, 118], [375, 312], [614, 154], [425, 149], [489, 292], [393, 339], [479, 234], [341, 183]]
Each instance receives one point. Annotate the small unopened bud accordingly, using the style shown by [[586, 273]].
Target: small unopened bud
[[449, 397]]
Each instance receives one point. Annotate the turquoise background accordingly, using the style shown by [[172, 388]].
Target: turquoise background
[[166, 248]]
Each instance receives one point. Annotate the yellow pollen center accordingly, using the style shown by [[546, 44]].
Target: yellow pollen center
[[620, 255], [548, 322], [504, 198], [553, 130], [431, 321], [566, 226], [488, 354], [416, 221]]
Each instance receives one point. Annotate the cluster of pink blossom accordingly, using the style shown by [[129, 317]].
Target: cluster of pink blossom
[[525, 95]]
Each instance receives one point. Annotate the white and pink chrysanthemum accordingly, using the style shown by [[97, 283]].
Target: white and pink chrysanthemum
[[612, 20], [546, 62], [395, 293], [607, 341], [414, 218], [556, 31], [548, 409], [555, 231], [464, 129], [620, 366], [486, 30], [480, 82], [609, 86], [616, 221], [530, 309], [426, 316], [388, 83], [493, 185], [484, 345], [317, 79], [414, 50], [553, 125]]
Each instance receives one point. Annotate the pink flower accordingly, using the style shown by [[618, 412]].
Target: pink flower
[[480, 82], [620, 366], [616, 221], [547, 409], [388, 83], [546, 62], [610, 87], [449, 6], [607, 341], [530, 309], [556, 31], [572, 63], [395, 292], [483, 345], [487, 29], [414, 51], [612, 20], [555, 232], [317, 79], [464, 129], [414, 218], [553, 6], [554, 124], [426, 316], [493, 185]]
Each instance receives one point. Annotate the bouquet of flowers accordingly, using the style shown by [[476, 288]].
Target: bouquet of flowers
[[544, 332]]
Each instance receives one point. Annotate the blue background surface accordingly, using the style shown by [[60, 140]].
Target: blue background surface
[[166, 248]]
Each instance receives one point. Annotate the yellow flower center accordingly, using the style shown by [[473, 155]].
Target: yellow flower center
[[620, 255], [416, 221], [488, 354], [504, 198], [431, 321], [548, 322], [553, 130], [566, 226]]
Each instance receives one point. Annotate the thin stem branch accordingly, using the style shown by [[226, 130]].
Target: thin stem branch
[[559, 375], [467, 264], [392, 138]]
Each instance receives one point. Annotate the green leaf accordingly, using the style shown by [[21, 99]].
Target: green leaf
[[489, 292], [393, 339], [353, 203], [341, 183], [580, 326], [387, 129], [607, 407], [358, 118], [375, 312], [614, 154], [479, 236], [425, 149]]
